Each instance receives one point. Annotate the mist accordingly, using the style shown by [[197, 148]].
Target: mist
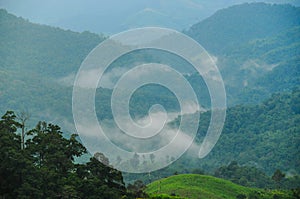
[[93, 15]]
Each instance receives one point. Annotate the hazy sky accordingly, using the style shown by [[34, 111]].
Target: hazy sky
[[112, 16]]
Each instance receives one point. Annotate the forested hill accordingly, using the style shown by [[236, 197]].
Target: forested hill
[[42, 49], [241, 23], [33, 58], [263, 136], [256, 47]]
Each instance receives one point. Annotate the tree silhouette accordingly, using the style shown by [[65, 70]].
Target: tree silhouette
[[277, 177]]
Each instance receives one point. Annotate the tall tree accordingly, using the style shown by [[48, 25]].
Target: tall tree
[[10, 157], [45, 168], [53, 156], [277, 177], [100, 181], [23, 117]]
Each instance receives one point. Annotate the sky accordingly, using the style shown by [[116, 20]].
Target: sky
[[113, 16]]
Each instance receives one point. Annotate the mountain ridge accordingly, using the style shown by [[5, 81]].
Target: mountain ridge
[[31, 62], [243, 23]]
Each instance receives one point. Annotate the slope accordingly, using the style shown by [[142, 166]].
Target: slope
[[265, 135], [256, 47], [200, 186], [33, 58], [241, 23]]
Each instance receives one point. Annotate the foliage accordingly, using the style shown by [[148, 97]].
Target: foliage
[[137, 189], [241, 23], [257, 49], [244, 175], [38, 60], [45, 168], [261, 138], [265, 136]]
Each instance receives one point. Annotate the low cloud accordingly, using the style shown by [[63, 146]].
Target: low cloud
[[168, 144]]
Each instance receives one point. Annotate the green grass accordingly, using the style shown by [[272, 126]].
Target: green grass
[[195, 186]]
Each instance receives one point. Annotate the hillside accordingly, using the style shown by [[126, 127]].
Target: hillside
[[256, 69], [33, 59], [241, 23], [195, 186], [262, 137], [38, 64], [42, 49], [256, 47], [265, 135]]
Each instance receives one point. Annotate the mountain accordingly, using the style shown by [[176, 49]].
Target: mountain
[[241, 23], [263, 136], [252, 70], [38, 64], [113, 16], [42, 49], [149, 17], [195, 186], [256, 47], [33, 59], [260, 67]]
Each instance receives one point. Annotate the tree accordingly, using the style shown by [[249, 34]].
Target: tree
[[8, 122], [50, 149], [11, 158], [99, 179], [101, 157], [52, 155], [45, 168], [198, 171], [277, 177], [137, 189], [23, 117], [135, 161], [152, 158]]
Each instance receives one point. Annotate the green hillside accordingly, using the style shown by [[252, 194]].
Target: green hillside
[[241, 23], [195, 186], [256, 69], [256, 46], [42, 49], [263, 137], [38, 62], [35, 58]]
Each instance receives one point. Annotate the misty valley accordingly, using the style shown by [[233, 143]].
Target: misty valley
[[44, 153]]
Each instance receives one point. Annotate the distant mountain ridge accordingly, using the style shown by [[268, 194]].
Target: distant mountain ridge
[[114, 16], [250, 65], [256, 47], [33, 58], [40, 48], [241, 23]]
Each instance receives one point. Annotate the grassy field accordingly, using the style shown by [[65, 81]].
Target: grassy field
[[195, 186]]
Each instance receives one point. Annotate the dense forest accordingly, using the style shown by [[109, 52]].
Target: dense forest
[[44, 167], [262, 138], [256, 47]]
